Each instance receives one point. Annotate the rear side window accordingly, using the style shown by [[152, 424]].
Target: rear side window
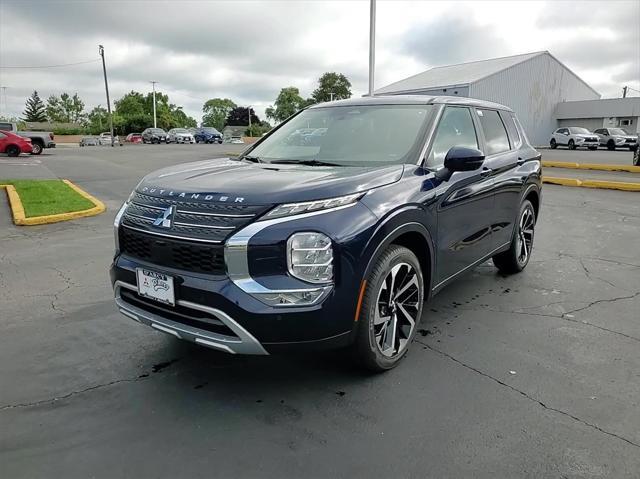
[[510, 122], [5, 126], [455, 129], [494, 132]]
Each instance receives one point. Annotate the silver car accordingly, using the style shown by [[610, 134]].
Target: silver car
[[180, 135], [614, 138]]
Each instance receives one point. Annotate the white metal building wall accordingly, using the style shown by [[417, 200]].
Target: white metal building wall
[[533, 89]]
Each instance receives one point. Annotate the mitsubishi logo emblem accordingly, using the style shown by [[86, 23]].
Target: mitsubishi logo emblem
[[164, 220]]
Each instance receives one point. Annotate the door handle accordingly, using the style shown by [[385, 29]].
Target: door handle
[[520, 161], [486, 172]]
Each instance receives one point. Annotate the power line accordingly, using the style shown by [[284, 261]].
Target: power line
[[51, 66]]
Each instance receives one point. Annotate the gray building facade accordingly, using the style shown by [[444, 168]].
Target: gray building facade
[[609, 113], [533, 84]]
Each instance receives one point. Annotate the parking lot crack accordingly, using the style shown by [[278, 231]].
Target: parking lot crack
[[599, 301], [527, 396]]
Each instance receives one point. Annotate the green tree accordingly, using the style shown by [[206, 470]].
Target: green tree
[[288, 102], [98, 120], [34, 109], [135, 113], [215, 112], [65, 108], [258, 129], [331, 85], [133, 103]]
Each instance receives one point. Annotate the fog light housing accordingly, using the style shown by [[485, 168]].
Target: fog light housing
[[293, 298], [310, 257]]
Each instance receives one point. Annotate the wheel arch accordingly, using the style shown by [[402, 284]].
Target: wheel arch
[[414, 236], [533, 195]]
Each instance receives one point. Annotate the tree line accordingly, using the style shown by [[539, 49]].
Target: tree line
[[134, 111]]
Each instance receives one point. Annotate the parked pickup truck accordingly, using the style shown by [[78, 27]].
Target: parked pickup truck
[[39, 139]]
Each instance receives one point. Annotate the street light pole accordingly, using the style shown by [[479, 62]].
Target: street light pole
[[249, 109], [372, 44], [155, 123], [106, 87]]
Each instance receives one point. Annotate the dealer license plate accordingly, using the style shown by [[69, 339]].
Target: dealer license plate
[[157, 286]]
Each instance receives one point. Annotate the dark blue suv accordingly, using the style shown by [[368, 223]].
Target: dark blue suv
[[332, 243], [207, 135]]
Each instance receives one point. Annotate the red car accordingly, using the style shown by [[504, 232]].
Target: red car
[[13, 144], [134, 138]]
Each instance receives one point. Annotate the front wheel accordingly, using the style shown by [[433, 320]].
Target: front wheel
[[572, 145], [611, 145], [390, 310], [12, 150], [552, 144], [516, 258]]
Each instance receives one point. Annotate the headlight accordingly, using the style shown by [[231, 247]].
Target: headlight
[[310, 206], [310, 257], [116, 223]]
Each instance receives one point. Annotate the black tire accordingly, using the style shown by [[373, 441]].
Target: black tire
[[572, 145], [400, 302], [36, 148], [512, 260], [552, 144], [154, 141], [593, 148], [611, 145], [12, 150]]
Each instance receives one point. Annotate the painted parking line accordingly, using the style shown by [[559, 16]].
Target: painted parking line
[[21, 163]]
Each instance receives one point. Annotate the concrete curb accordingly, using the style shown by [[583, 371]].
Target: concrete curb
[[607, 185], [20, 219], [591, 166]]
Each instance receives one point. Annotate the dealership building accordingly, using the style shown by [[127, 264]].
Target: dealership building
[[543, 92]]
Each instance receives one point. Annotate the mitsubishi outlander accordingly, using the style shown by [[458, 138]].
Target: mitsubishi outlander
[[333, 239]]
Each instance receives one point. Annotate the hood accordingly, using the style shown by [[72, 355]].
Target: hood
[[256, 183], [586, 135]]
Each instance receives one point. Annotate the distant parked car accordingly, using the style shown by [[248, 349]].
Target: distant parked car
[[105, 139], [90, 141], [207, 134], [39, 139], [180, 135], [236, 140], [574, 137], [614, 138], [133, 138], [154, 135], [13, 144]]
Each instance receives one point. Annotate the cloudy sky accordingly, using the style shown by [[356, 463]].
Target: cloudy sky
[[247, 50]]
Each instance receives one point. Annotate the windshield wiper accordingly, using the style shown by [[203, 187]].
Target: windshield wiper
[[253, 159], [305, 162]]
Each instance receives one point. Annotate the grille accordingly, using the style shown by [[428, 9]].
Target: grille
[[198, 258], [197, 221]]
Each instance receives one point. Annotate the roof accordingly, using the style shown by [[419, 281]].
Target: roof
[[413, 100], [457, 75], [604, 108]]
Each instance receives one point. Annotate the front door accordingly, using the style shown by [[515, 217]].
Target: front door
[[464, 202]]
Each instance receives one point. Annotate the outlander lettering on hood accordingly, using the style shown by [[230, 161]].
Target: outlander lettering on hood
[[332, 230]]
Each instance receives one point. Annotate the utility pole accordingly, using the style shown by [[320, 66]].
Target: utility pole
[[106, 87], [624, 91], [331, 93], [155, 123], [372, 44]]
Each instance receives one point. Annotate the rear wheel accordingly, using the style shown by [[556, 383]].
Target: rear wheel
[[516, 258], [572, 145], [552, 144], [12, 150], [391, 309], [36, 148]]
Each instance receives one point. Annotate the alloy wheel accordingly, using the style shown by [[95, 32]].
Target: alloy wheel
[[397, 309], [525, 236]]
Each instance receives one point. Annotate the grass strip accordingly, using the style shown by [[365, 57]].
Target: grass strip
[[47, 197]]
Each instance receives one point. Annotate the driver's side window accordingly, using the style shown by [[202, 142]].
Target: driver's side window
[[455, 129]]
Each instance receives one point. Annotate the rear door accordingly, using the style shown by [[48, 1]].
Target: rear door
[[464, 202], [502, 144]]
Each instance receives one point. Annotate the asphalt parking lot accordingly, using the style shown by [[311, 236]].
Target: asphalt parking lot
[[534, 375]]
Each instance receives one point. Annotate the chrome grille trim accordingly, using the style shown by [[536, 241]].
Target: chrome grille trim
[[187, 238], [178, 223], [202, 213]]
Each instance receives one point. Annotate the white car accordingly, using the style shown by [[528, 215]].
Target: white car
[[180, 135], [614, 138], [573, 137], [105, 139]]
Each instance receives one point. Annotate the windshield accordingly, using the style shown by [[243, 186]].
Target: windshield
[[348, 135], [618, 131], [211, 130], [180, 130], [157, 130], [579, 130]]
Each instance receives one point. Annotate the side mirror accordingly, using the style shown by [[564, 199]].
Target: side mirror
[[460, 158]]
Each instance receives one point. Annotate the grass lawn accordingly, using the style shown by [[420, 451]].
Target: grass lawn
[[47, 197]]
